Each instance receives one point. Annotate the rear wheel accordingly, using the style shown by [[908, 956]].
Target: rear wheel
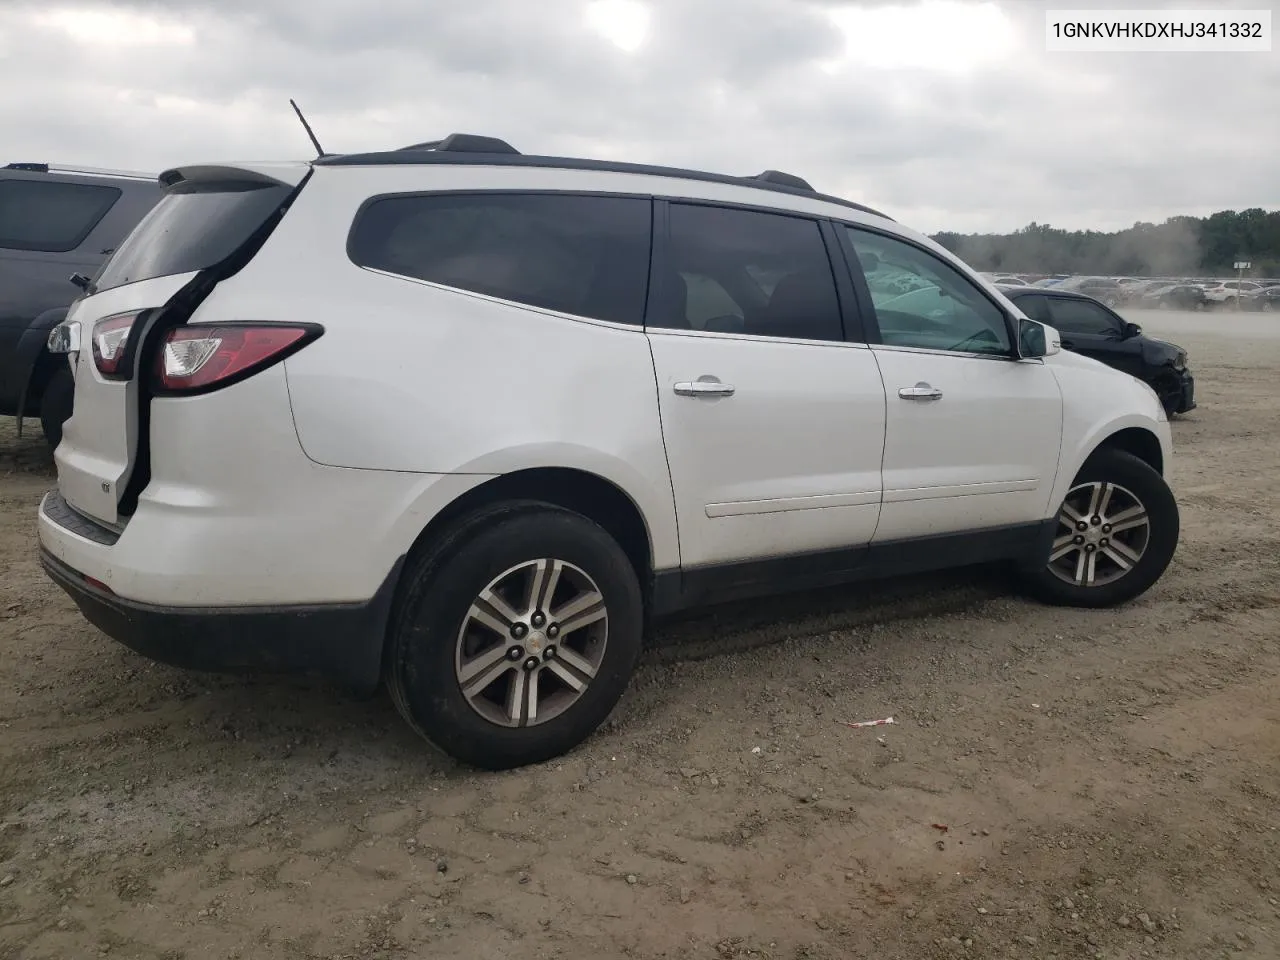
[[56, 403], [516, 636], [1117, 530]]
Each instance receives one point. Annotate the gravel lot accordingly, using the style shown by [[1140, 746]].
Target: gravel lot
[[1108, 781]]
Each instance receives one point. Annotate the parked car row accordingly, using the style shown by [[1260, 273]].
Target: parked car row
[[1164, 293], [464, 421]]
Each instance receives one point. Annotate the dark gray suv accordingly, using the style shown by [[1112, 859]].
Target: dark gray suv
[[56, 223]]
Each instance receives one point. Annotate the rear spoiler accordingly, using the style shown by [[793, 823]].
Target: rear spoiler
[[283, 173]]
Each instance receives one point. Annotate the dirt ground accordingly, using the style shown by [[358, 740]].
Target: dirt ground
[[1109, 781]]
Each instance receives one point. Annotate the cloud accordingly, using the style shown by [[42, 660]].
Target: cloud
[[945, 114]]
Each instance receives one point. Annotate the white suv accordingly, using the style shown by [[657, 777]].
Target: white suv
[[1228, 291], [465, 420]]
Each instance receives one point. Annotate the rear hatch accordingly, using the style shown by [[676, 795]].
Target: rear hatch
[[208, 223]]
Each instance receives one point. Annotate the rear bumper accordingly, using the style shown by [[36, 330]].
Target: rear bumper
[[341, 642]]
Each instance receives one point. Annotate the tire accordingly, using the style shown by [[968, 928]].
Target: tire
[[438, 641], [1130, 483], [56, 404]]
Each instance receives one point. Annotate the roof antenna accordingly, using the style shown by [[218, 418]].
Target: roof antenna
[[306, 126]]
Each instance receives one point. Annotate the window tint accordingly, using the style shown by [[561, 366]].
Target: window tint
[[740, 271], [1082, 317], [193, 226], [587, 256], [922, 301], [1035, 307], [50, 216], [707, 300]]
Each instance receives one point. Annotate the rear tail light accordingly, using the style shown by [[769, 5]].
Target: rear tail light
[[110, 338], [198, 358]]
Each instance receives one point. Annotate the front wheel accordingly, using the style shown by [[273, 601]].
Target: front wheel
[[515, 636], [1117, 530]]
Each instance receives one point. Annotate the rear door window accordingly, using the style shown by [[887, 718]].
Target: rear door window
[[51, 216], [195, 225], [748, 271], [576, 254]]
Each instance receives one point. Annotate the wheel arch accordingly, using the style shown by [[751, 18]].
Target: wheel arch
[[570, 488], [581, 491], [1144, 436], [34, 365], [1137, 441]]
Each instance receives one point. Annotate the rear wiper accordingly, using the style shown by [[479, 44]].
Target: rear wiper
[[83, 282]]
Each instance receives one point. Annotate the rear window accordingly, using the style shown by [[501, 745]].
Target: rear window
[[195, 225], [50, 216], [584, 255]]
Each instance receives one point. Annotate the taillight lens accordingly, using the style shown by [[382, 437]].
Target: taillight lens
[[110, 337], [206, 357]]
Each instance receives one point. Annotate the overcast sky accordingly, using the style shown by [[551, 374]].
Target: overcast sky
[[946, 114]]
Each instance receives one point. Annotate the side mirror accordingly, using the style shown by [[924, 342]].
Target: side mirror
[[1036, 340], [1131, 330]]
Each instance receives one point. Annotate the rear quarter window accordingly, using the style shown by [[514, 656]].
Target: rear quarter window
[[51, 216], [582, 255]]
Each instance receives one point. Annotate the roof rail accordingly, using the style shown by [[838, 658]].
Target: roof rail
[[465, 143], [70, 168], [432, 152]]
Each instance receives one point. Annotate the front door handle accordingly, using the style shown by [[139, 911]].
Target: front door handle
[[921, 391], [704, 387]]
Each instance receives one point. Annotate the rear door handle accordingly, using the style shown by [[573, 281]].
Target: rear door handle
[[921, 391], [704, 387]]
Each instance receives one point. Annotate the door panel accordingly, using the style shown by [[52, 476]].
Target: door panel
[[972, 435], [773, 421], [788, 463], [983, 454]]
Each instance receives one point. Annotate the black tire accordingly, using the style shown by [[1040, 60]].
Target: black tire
[[1132, 476], [56, 404], [437, 594]]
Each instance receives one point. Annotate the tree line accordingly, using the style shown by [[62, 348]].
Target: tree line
[[1181, 246]]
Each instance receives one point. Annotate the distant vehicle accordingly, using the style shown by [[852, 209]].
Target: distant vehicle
[[1009, 281], [1102, 288], [1266, 299], [1048, 282], [1135, 291], [1090, 327], [1173, 296], [55, 222], [1225, 292]]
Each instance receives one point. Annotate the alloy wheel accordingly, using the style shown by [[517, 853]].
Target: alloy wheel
[[531, 643], [1103, 532]]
